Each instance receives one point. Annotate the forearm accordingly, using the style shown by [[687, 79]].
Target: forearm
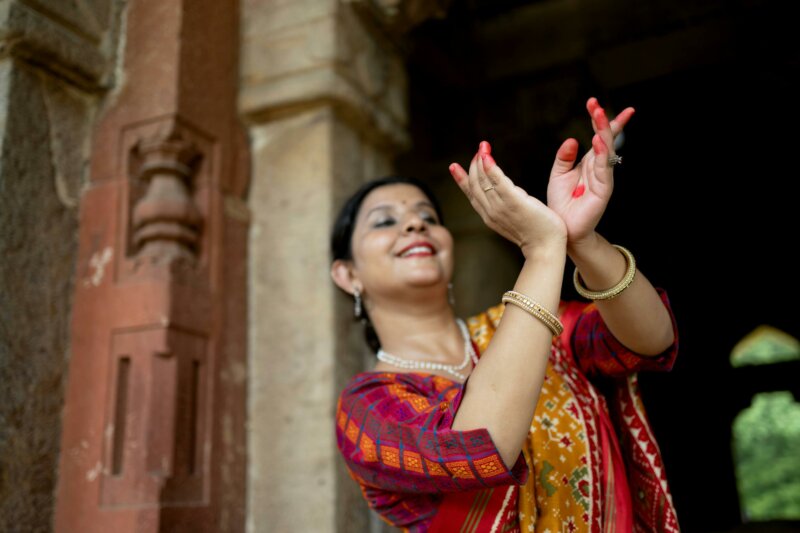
[[504, 387], [637, 317]]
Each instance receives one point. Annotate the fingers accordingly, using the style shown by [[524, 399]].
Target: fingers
[[458, 173], [620, 120], [617, 124], [566, 156], [602, 171], [502, 185], [603, 127], [476, 183]]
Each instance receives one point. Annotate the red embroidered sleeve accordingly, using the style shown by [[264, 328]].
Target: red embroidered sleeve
[[598, 351], [394, 433]]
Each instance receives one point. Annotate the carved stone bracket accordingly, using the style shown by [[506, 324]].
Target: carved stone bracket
[[165, 223], [73, 40]]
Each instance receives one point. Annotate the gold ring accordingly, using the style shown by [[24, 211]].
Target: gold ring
[[489, 188]]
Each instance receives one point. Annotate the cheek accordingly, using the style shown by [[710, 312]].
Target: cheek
[[370, 246], [445, 240]]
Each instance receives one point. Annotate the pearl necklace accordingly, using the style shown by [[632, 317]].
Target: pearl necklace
[[469, 353]]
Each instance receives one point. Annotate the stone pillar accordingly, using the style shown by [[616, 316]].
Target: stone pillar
[[324, 92], [56, 61], [153, 437]]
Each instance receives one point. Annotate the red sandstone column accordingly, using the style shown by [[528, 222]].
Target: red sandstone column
[[153, 436]]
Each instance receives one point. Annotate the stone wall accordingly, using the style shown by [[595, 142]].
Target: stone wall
[[324, 91], [55, 64]]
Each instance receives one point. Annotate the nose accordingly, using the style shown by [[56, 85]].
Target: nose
[[415, 223]]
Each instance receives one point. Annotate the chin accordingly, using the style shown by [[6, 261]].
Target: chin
[[422, 281]]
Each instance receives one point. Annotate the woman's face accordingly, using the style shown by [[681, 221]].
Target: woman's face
[[398, 242]]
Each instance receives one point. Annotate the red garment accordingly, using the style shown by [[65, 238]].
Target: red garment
[[394, 431]]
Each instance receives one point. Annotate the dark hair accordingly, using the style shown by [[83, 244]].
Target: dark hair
[[345, 223]]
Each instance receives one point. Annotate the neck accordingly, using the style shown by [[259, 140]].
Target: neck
[[422, 331]]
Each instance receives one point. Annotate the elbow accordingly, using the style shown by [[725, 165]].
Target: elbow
[[659, 343], [667, 339]]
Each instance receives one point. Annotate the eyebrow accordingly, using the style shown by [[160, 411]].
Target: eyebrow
[[421, 203]]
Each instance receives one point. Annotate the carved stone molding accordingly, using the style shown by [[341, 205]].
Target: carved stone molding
[[159, 312], [74, 40], [166, 223], [307, 54], [152, 448]]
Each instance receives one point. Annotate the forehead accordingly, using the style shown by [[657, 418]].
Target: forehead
[[395, 195]]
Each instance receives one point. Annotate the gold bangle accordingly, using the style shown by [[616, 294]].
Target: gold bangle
[[534, 309], [607, 294]]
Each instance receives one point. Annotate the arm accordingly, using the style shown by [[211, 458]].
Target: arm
[[579, 194], [637, 316], [504, 387]]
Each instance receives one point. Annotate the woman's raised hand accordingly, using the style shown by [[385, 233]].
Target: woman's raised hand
[[506, 208], [580, 193]]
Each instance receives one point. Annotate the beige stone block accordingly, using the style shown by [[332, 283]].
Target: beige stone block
[[278, 54], [293, 454], [304, 344], [327, 57], [264, 17]]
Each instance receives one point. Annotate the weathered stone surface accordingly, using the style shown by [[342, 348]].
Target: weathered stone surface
[[325, 93], [76, 39], [297, 354], [55, 55], [153, 434], [43, 127], [322, 54]]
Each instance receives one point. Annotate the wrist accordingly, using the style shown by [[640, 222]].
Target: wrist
[[586, 246], [556, 248]]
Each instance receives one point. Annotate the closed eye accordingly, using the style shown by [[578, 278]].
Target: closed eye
[[429, 218], [385, 222]]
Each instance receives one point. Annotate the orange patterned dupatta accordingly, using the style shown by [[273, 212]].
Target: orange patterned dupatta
[[578, 480]]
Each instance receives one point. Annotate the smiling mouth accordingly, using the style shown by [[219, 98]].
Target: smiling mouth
[[418, 251]]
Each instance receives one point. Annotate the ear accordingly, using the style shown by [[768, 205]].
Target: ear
[[343, 276]]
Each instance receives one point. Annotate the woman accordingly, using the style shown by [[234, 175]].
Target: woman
[[496, 426]]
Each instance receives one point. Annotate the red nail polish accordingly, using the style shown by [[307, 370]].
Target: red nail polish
[[452, 169]]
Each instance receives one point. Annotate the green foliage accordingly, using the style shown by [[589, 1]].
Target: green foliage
[[765, 345], [766, 445]]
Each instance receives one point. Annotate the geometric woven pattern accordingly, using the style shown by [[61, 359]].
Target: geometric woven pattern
[[393, 430]]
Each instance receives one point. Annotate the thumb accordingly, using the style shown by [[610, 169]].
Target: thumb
[[566, 156]]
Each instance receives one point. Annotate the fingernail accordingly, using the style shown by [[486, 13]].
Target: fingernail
[[485, 147]]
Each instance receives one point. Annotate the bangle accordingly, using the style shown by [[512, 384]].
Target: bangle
[[534, 309], [616, 289]]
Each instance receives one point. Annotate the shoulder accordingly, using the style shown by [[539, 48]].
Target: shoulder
[[373, 387]]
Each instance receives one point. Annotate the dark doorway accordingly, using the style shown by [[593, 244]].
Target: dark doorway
[[706, 195]]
